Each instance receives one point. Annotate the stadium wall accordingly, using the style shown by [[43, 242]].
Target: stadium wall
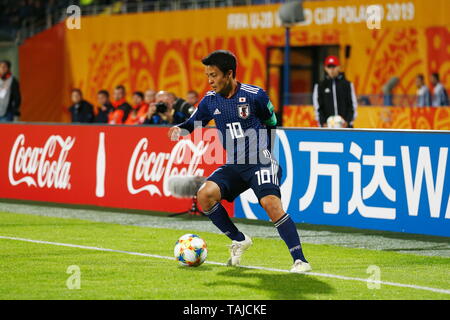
[[395, 180], [106, 166], [45, 76], [163, 50]]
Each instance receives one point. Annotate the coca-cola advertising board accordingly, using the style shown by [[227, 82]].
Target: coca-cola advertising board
[[107, 166]]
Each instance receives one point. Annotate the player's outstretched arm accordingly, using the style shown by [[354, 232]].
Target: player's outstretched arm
[[174, 133], [201, 115]]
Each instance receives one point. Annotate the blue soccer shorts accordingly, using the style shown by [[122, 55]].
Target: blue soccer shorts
[[233, 179]]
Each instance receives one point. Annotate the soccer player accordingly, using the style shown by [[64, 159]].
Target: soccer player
[[242, 114]]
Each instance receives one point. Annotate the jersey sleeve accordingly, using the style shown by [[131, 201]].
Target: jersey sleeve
[[201, 114], [265, 109]]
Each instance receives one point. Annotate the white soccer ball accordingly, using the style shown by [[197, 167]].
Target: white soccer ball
[[335, 122], [190, 250]]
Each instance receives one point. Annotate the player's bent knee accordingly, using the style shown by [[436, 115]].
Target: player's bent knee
[[272, 205], [208, 195]]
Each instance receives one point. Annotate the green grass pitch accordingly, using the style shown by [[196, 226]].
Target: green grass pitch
[[39, 271]]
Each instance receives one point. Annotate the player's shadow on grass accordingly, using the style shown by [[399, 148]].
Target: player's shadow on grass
[[279, 286], [203, 267]]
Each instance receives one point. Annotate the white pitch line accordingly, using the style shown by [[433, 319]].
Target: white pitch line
[[223, 264]]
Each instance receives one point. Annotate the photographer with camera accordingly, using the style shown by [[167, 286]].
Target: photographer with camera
[[152, 117], [182, 109], [158, 111], [168, 109]]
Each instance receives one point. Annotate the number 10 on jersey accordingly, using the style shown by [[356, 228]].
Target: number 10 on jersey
[[235, 130], [266, 176]]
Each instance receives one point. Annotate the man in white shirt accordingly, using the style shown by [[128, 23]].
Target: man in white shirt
[[440, 96], [423, 93]]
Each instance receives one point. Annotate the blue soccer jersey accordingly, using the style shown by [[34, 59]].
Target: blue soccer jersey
[[242, 121]]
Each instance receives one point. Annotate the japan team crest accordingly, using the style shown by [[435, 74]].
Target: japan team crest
[[243, 111]]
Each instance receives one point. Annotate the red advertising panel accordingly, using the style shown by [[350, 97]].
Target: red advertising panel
[[108, 166]]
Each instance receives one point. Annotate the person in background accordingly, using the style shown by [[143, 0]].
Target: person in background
[[150, 96], [192, 97], [334, 96], [139, 112], [388, 89], [164, 111], [169, 109], [81, 110], [104, 107], [121, 106], [440, 96], [160, 96], [181, 109], [10, 98], [158, 112], [152, 116], [423, 93]]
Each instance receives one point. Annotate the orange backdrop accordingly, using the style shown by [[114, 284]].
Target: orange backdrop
[[426, 118], [163, 50]]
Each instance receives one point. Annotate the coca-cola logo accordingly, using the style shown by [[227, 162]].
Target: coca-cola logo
[[147, 169], [41, 167]]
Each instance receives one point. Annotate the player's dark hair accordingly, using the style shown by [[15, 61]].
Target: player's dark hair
[[77, 90], [139, 94], [104, 92], [222, 59], [436, 76], [120, 87], [421, 77], [7, 62]]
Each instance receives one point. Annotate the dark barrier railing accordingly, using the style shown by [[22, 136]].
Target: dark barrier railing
[[403, 100]]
